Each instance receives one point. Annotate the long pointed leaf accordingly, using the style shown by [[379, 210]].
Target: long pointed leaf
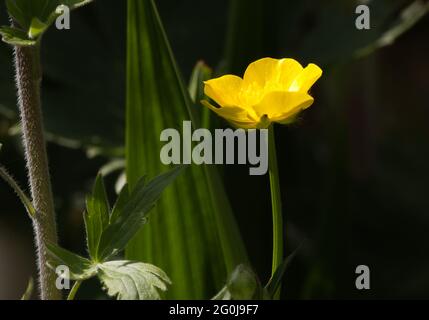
[[193, 236]]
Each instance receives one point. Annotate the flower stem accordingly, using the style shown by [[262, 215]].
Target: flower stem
[[74, 290], [29, 77], [276, 204]]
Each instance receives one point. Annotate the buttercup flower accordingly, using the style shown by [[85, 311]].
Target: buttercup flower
[[271, 90]]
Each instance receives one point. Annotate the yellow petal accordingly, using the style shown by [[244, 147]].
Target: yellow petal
[[272, 74], [261, 71], [224, 90], [305, 80], [281, 106], [236, 115], [289, 69]]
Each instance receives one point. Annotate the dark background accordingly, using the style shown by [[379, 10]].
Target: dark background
[[354, 168]]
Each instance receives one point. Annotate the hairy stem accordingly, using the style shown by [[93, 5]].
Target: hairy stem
[[276, 203], [29, 78]]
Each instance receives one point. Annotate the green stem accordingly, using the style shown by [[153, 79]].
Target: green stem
[[29, 78], [73, 290], [276, 203]]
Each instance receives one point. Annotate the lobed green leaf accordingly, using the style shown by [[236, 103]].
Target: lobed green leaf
[[128, 280]]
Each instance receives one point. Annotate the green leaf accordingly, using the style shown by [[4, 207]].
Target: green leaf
[[200, 74], [86, 118], [276, 279], [18, 10], [243, 284], [80, 268], [34, 17], [74, 4], [128, 280], [193, 221], [96, 217], [223, 294], [24, 11], [133, 214], [37, 27], [15, 37], [122, 200], [29, 290]]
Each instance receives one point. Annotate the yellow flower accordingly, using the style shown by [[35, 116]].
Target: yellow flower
[[271, 91]]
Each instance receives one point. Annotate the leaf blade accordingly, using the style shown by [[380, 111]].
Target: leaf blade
[[134, 213], [15, 37], [96, 217], [196, 219], [128, 280], [80, 268]]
